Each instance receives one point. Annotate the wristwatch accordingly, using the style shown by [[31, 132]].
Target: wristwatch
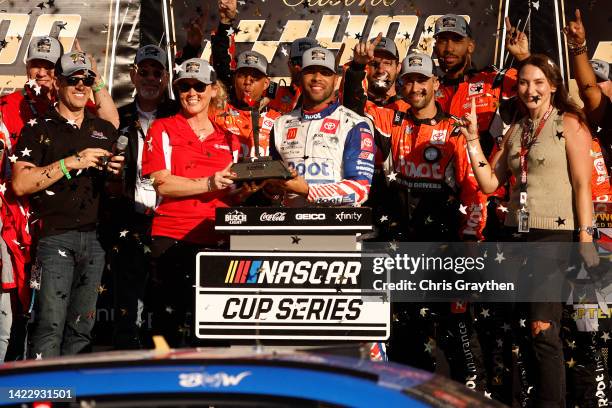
[[592, 231]]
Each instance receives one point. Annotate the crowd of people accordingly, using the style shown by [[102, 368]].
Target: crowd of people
[[440, 151]]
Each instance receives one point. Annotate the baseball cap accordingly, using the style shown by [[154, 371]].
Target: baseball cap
[[386, 45], [151, 52], [298, 46], [454, 24], [319, 57], [253, 59], [602, 69], [72, 62], [417, 63], [196, 68], [45, 48]]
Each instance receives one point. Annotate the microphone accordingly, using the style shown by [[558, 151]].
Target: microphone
[[122, 142], [119, 150]]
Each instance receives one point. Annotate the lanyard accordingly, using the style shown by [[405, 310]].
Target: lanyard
[[528, 139]]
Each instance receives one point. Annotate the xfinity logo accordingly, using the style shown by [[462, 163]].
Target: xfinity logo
[[310, 217], [348, 216], [275, 217], [235, 218]]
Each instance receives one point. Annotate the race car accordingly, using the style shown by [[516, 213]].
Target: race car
[[230, 377]]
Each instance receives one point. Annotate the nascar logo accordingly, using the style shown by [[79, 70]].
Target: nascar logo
[[292, 272]]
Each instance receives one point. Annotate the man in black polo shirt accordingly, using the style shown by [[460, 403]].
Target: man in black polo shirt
[[62, 162]]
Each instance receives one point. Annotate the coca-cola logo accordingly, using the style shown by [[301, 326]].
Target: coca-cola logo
[[273, 217]]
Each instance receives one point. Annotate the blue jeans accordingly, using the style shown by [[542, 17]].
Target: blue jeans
[[72, 265]]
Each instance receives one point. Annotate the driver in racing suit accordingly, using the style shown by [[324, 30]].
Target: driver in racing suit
[[330, 148], [431, 195]]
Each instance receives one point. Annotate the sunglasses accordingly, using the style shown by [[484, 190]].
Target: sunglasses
[[186, 86], [157, 73], [74, 80]]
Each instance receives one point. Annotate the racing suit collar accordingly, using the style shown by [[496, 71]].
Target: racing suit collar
[[312, 115], [440, 116]]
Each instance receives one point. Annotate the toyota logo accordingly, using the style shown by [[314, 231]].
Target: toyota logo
[[329, 126]]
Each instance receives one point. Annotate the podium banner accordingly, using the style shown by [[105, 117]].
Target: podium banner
[[288, 295]]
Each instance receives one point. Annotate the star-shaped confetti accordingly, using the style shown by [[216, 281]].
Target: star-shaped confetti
[[32, 122], [284, 51], [62, 25], [500, 343], [473, 149], [500, 257], [522, 322], [485, 312], [169, 309], [487, 394], [423, 311], [123, 234], [502, 208], [26, 152], [39, 356], [31, 83], [536, 98], [571, 362], [605, 336], [41, 5], [384, 218], [571, 344], [230, 31], [392, 176], [463, 209], [430, 345], [3, 188], [559, 134], [295, 240], [71, 122], [13, 158], [62, 253], [101, 289], [481, 164], [177, 68], [541, 161], [536, 4], [560, 221]]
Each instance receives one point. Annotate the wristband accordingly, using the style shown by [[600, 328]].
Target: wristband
[[99, 87], [65, 169]]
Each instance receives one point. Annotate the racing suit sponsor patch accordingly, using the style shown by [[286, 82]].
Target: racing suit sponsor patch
[[367, 142], [329, 125], [291, 133], [438, 136]]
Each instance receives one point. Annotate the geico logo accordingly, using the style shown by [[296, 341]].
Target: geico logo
[[313, 169], [427, 170], [319, 272], [289, 308], [307, 217]]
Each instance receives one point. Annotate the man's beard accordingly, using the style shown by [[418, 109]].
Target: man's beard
[[456, 68], [420, 104]]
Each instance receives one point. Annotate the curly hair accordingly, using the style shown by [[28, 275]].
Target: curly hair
[[560, 99]]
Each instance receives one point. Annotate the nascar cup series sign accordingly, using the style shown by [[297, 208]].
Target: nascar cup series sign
[[284, 295]]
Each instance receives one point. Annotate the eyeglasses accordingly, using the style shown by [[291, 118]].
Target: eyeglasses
[[74, 80], [157, 73], [186, 86]]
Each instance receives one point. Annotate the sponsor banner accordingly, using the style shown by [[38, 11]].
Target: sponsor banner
[[288, 295], [107, 29], [344, 219]]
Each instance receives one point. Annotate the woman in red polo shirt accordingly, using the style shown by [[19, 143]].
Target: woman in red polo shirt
[[188, 158]]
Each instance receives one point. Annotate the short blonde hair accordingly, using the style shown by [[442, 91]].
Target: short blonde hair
[[219, 102]]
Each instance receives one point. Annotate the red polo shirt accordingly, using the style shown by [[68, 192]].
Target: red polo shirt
[[171, 144]]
